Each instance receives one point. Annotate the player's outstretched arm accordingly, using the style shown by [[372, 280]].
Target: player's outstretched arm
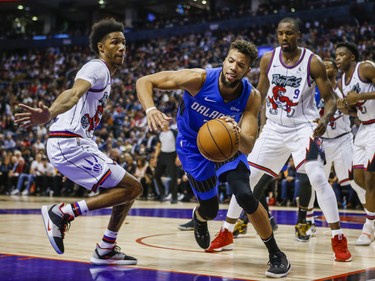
[[190, 80], [42, 114]]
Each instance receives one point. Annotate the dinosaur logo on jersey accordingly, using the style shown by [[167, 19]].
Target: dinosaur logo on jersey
[[359, 105], [95, 166], [90, 123], [279, 100]]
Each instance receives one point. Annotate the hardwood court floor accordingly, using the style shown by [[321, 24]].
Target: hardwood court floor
[[165, 253]]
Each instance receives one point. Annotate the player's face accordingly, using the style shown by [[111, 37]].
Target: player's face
[[113, 48], [235, 66], [287, 36], [330, 68], [344, 58]]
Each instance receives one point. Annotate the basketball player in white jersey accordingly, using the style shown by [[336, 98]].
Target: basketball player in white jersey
[[75, 114], [358, 85], [288, 76], [338, 143]]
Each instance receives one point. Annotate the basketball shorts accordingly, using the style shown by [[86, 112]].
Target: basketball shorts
[[82, 162], [340, 152], [203, 174], [276, 143], [364, 148]]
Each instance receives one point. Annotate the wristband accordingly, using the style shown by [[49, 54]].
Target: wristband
[[149, 109]]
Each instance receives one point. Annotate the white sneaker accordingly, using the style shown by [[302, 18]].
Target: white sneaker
[[25, 192], [311, 229], [113, 256], [15, 192], [367, 236]]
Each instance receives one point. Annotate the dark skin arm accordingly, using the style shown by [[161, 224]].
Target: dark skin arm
[[249, 123], [367, 73], [263, 85], [343, 106], [42, 114], [319, 74]]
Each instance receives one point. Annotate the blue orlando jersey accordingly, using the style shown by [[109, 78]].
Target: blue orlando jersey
[[208, 104]]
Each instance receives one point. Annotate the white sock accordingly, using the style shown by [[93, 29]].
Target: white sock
[[76, 209], [108, 240], [228, 226], [336, 232], [310, 216], [370, 217]]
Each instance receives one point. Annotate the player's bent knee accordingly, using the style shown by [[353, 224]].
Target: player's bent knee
[[247, 202]]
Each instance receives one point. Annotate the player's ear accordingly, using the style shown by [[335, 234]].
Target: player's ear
[[100, 47]]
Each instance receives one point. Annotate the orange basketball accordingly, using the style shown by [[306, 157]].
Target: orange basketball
[[217, 140]]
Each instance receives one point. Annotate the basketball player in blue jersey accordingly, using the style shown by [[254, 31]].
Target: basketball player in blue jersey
[[358, 85], [74, 114], [208, 94]]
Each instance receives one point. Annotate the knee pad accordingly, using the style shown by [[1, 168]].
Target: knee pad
[[208, 209], [315, 172], [247, 202]]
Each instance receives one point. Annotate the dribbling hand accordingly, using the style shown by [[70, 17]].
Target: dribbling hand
[[231, 121], [33, 116]]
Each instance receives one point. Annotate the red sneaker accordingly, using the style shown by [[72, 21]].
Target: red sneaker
[[340, 248], [222, 241]]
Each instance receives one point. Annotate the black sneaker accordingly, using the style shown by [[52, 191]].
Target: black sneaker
[[279, 265], [113, 256], [186, 226], [201, 233], [273, 223], [56, 224]]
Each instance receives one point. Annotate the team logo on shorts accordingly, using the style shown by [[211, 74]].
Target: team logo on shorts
[[95, 166]]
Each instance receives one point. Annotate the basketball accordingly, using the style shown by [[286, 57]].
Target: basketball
[[217, 140]]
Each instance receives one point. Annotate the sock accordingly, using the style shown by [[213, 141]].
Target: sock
[[76, 209], [108, 241], [336, 232], [301, 215], [228, 226], [310, 216], [370, 217], [271, 244]]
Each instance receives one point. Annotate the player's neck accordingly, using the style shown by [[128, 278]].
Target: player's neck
[[350, 70], [291, 58]]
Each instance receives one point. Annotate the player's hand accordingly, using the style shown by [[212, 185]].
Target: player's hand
[[156, 118], [341, 104], [352, 98], [321, 128], [33, 116], [232, 122]]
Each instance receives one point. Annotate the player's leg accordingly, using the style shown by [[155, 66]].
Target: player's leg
[[239, 184], [92, 169]]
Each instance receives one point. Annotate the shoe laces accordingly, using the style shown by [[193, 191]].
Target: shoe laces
[[340, 244], [276, 261], [65, 225]]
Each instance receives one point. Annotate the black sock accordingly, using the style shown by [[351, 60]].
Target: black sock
[[301, 215], [271, 244]]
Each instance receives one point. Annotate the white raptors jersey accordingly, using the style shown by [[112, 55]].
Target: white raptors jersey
[[290, 97], [339, 124], [84, 117], [365, 109]]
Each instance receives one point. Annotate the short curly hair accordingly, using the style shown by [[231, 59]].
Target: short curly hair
[[245, 47], [101, 29], [351, 47]]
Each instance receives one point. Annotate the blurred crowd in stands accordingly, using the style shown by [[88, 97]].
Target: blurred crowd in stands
[[40, 75]]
